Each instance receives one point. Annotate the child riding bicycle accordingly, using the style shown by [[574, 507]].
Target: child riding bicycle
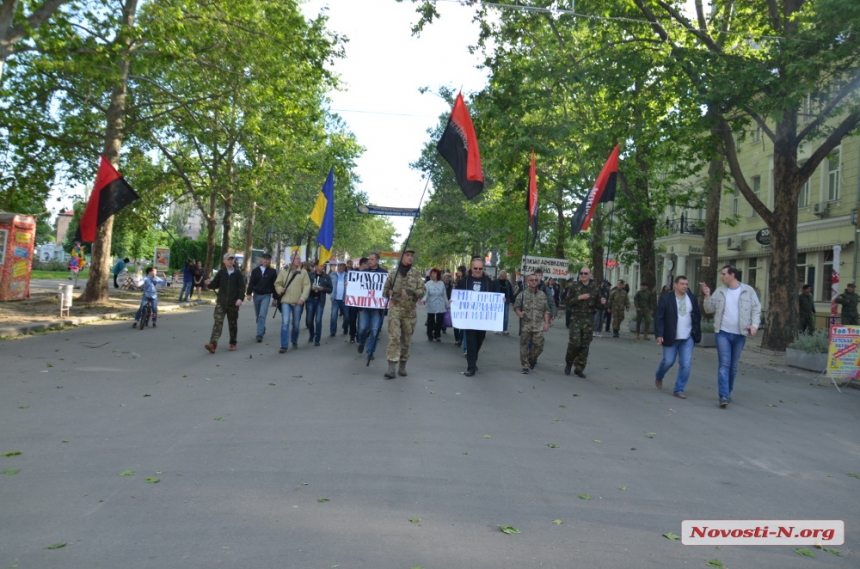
[[150, 294]]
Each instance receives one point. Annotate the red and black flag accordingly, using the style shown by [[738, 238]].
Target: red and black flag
[[603, 191], [110, 194], [459, 147], [532, 200]]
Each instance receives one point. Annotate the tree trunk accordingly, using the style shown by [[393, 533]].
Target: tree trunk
[[716, 172], [249, 239], [227, 223], [97, 290], [210, 235]]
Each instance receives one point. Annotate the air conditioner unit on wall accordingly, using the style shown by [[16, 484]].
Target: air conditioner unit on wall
[[820, 208], [734, 244]]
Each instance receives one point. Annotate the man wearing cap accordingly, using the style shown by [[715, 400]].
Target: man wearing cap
[[643, 301], [848, 300], [582, 301], [261, 285], [404, 287], [230, 285]]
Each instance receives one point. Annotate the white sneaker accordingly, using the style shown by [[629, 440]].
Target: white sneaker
[[598, 334]]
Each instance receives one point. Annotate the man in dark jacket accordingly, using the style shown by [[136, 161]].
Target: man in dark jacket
[[261, 286], [187, 280], [477, 281], [230, 285], [315, 304], [677, 328], [503, 285]]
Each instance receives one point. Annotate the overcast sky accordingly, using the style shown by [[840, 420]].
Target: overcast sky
[[384, 67]]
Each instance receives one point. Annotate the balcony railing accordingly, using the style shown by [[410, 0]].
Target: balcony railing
[[683, 225]]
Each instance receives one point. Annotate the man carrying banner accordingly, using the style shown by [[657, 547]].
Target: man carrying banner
[[370, 319], [475, 281], [531, 306], [583, 300], [404, 288]]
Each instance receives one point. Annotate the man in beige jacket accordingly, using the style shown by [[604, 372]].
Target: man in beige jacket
[[292, 287]]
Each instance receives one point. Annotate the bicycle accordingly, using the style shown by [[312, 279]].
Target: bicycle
[[145, 313]]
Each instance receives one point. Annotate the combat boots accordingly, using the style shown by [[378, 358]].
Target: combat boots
[[402, 369], [390, 374]]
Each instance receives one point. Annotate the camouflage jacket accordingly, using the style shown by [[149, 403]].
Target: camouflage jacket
[[588, 306], [533, 306], [412, 283], [618, 300], [644, 300]]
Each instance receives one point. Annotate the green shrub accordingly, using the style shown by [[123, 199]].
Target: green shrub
[[707, 326], [815, 343]]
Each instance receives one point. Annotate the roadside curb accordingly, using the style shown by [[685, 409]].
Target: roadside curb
[[27, 329]]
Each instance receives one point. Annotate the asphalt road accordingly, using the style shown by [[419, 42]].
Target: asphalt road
[[312, 460]]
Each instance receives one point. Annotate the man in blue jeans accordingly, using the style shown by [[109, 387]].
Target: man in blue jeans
[[293, 287], [370, 319], [678, 328], [338, 296], [187, 280], [262, 285], [737, 314], [320, 287]]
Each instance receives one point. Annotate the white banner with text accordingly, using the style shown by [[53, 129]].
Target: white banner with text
[[471, 310], [555, 268], [364, 289]]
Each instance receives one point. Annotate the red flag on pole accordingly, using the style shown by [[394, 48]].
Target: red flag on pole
[[603, 191], [532, 200], [459, 147], [110, 194]]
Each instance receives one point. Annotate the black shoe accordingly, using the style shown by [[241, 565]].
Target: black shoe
[[470, 372], [615, 335], [345, 332], [352, 340], [525, 371], [311, 339], [579, 373], [567, 370], [316, 343], [438, 339], [154, 325], [295, 346], [361, 348], [259, 339], [724, 402], [282, 351], [333, 335], [134, 325], [532, 365]]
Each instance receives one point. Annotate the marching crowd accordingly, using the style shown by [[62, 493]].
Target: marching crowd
[[302, 288]]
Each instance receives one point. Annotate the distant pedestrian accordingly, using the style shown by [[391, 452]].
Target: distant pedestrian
[[737, 314], [437, 304], [583, 300], [643, 301], [261, 286], [807, 310], [476, 281], [403, 287], [848, 300], [353, 312], [118, 268], [504, 286], [315, 304], [459, 274], [150, 285], [338, 296], [619, 303], [600, 313], [677, 329], [532, 309], [292, 288], [199, 276], [230, 285], [446, 279]]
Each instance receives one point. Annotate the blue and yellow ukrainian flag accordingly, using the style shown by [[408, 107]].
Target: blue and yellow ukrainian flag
[[323, 216]]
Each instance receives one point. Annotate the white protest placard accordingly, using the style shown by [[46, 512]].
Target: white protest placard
[[555, 268], [364, 289], [471, 310]]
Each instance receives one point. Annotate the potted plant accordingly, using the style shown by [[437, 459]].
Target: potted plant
[[809, 351]]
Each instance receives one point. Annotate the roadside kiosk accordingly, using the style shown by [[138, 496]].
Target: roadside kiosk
[[17, 235]]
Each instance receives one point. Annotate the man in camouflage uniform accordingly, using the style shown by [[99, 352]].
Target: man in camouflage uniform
[[848, 300], [531, 306], [619, 303], [230, 285], [404, 288], [643, 301], [807, 310], [582, 301]]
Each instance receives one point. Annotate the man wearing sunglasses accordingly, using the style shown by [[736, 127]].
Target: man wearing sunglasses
[[582, 302], [532, 308], [477, 281]]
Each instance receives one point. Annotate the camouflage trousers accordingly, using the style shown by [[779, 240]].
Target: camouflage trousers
[[536, 339], [400, 331], [807, 323], [232, 314], [643, 318], [581, 334], [617, 319]]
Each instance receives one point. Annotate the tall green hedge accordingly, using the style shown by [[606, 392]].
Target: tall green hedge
[[185, 248]]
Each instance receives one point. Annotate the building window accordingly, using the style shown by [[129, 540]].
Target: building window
[[803, 195], [752, 273], [805, 271], [826, 276], [735, 203], [756, 189], [757, 134], [4, 235], [833, 175], [739, 140]]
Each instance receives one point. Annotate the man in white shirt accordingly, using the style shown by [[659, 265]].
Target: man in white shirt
[[737, 314], [678, 328], [338, 296]]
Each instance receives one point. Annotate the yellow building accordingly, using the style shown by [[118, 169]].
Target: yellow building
[[827, 225]]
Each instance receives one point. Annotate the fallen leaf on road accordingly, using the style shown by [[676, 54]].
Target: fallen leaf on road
[[127, 473], [509, 530], [557, 522], [57, 546], [672, 536]]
